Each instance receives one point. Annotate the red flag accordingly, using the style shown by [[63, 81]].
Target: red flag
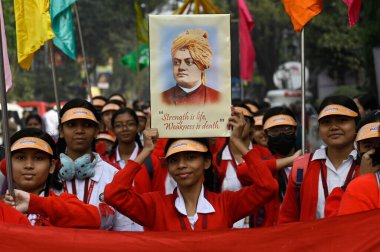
[[247, 51], [353, 10], [302, 11]]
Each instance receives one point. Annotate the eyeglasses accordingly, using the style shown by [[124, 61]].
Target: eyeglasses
[[276, 131], [129, 124], [188, 62]]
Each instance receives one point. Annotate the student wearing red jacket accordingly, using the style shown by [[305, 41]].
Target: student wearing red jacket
[[191, 206], [363, 193], [124, 124], [279, 125], [330, 168], [34, 175]]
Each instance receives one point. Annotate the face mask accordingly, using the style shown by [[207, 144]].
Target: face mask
[[81, 168], [282, 144]]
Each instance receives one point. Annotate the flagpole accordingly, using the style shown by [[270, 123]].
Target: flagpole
[[51, 52], [303, 89], [139, 87], [4, 113], [83, 51]]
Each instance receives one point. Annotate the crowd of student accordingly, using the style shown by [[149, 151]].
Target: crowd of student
[[109, 170]]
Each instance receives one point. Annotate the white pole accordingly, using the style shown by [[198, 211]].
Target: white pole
[[303, 90]]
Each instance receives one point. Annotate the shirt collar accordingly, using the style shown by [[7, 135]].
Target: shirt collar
[[98, 168], [203, 206], [132, 157], [226, 154], [188, 90], [321, 154]]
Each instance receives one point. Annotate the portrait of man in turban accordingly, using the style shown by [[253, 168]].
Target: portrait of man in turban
[[191, 57]]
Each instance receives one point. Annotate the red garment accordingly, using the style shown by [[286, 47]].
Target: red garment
[[10, 215], [142, 181], [202, 95], [308, 196], [65, 210], [216, 145], [362, 194], [157, 211]]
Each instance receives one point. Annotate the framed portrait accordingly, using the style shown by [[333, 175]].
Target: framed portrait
[[190, 75]]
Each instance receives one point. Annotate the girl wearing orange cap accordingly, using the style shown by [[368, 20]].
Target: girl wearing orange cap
[[83, 172], [33, 165], [315, 191], [191, 206], [107, 111], [279, 125], [232, 170], [362, 193]]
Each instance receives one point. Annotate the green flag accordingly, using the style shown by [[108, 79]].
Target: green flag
[[63, 26], [130, 60], [141, 24]]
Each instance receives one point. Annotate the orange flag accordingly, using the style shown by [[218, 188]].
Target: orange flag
[[302, 11]]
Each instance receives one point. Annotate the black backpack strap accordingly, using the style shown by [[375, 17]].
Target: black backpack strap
[[148, 162], [298, 186]]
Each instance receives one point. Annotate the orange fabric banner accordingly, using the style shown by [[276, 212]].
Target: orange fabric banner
[[302, 11], [358, 232]]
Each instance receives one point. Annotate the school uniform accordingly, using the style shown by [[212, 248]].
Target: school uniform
[[160, 212], [362, 194], [65, 210], [11, 216], [313, 191], [94, 190], [142, 182]]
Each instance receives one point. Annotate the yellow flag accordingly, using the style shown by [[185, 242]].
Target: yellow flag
[[33, 28]]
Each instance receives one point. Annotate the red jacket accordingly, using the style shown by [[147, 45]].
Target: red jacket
[[10, 215], [65, 210], [362, 194], [157, 211], [200, 96], [308, 196], [142, 181]]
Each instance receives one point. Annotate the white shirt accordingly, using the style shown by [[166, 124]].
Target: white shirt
[[170, 184], [203, 206], [51, 122], [231, 181], [335, 177], [122, 162], [104, 173]]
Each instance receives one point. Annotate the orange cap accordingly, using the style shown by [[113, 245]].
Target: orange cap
[[98, 102], [258, 120], [78, 113], [278, 120], [106, 136], [244, 111], [335, 109], [32, 143], [185, 145], [369, 130], [110, 106], [117, 98]]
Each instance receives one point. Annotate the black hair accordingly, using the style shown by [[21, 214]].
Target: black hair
[[260, 112], [52, 181], [75, 103], [211, 178], [33, 116], [132, 113], [368, 101], [373, 116], [278, 111], [121, 96], [342, 100]]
